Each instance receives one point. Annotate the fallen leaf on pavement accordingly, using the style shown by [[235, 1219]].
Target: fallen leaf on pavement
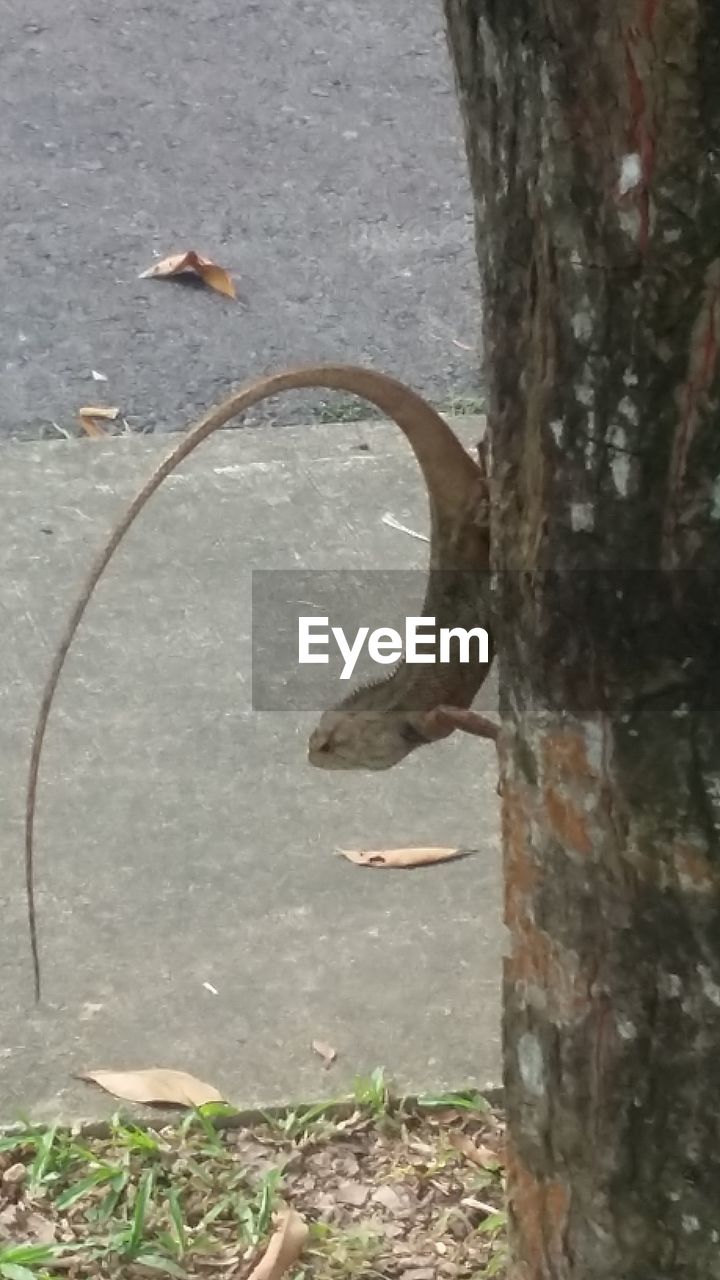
[[89, 415], [109, 412], [284, 1249], [400, 857], [324, 1051], [91, 428], [208, 271], [476, 1152], [157, 1084]]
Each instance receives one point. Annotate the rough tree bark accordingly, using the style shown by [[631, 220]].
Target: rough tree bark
[[593, 136]]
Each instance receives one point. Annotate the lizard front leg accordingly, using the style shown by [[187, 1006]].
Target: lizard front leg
[[444, 720]]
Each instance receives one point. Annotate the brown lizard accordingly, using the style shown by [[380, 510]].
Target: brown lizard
[[381, 723]]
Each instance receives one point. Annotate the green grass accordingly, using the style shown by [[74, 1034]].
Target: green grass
[[358, 411], [346, 411], [138, 1198], [188, 1201], [456, 406]]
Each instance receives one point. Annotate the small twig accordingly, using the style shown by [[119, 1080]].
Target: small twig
[[472, 1203], [392, 523]]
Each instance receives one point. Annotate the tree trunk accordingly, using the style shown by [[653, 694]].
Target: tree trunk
[[593, 136]]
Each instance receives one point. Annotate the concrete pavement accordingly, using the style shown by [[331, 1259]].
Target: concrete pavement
[[182, 838]]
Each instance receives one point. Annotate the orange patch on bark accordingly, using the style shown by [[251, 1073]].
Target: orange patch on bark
[[564, 756], [536, 962], [531, 959], [540, 1211], [566, 821]]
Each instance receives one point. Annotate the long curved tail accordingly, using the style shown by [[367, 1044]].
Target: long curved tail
[[450, 474]]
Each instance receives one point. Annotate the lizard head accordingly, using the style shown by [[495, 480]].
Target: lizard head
[[363, 739]]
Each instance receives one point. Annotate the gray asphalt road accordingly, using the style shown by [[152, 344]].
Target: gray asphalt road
[[311, 146]]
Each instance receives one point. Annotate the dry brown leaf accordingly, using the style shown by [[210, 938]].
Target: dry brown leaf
[[388, 1197], [88, 416], [13, 1176], [91, 428], [38, 1229], [208, 271], [324, 1051], [400, 857], [476, 1152], [352, 1193], [157, 1084], [109, 412], [284, 1249]]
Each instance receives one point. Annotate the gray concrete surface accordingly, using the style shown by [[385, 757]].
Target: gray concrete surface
[[182, 838], [311, 146]]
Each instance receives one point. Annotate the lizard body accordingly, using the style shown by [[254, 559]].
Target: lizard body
[[381, 723]]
